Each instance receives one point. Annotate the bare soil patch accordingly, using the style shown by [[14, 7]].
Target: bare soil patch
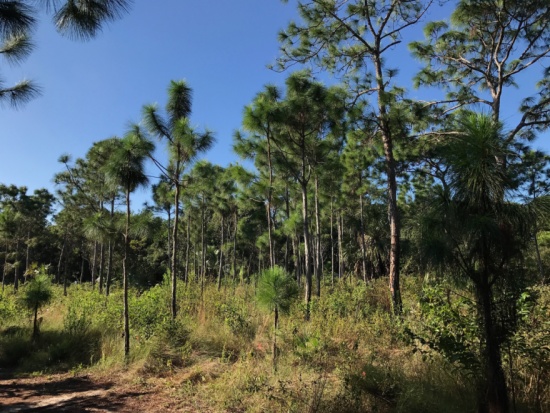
[[88, 393]]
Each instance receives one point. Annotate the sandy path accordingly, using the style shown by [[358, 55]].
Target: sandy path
[[84, 393]]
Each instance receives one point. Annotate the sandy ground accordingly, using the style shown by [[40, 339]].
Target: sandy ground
[[87, 393]]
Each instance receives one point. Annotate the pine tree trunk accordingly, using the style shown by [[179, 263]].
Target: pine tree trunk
[[174, 266], [307, 252], [340, 229], [125, 279], [101, 266], [5, 268], [393, 212], [27, 255], [187, 246], [203, 251], [16, 268], [35, 323], [288, 237], [82, 263], [494, 394], [59, 263], [168, 231], [65, 271], [275, 329], [331, 242], [220, 268], [318, 259], [363, 248], [269, 203], [235, 246], [94, 261], [110, 252]]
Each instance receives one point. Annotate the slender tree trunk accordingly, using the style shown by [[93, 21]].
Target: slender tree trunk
[[82, 262], [94, 261], [269, 203], [65, 271], [203, 250], [174, 266], [220, 268], [16, 267], [307, 253], [287, 210], [61, 256], [125, 279], [340, 229], [35, 323], [235, 246], [110, 252], [27, 254], [331, 241], [4, 268], [187, 246], [363, 248], [393, 212], [295, 261], [168, 237], [101, 265], [275, 329], [318, 258]]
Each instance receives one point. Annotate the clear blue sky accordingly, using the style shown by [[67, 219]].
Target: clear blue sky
[[92, 90]]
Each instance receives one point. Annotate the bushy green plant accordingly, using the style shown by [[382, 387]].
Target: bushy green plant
[[9, 312], [449, 328], [38, 292], [236, 319], [149, 311], [276, 291]]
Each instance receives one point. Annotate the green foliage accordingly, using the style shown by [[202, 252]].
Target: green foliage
[[449, 328], [8, 308], [38, 293], [149, 311], [235, 317], [76, 323], [276, 290]]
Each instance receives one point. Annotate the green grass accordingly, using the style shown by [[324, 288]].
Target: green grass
[[352, 356]]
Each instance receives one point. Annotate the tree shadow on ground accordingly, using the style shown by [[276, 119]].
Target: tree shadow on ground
[[72, 394]]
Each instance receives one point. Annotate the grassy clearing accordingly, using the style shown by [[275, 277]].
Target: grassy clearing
[[352, 356]]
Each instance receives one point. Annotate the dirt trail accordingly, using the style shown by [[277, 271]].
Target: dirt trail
[[84, 393]]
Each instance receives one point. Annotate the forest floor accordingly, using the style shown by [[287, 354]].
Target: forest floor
[[89, 392]]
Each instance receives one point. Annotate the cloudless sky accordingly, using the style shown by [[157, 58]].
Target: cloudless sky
[[92, 90]]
